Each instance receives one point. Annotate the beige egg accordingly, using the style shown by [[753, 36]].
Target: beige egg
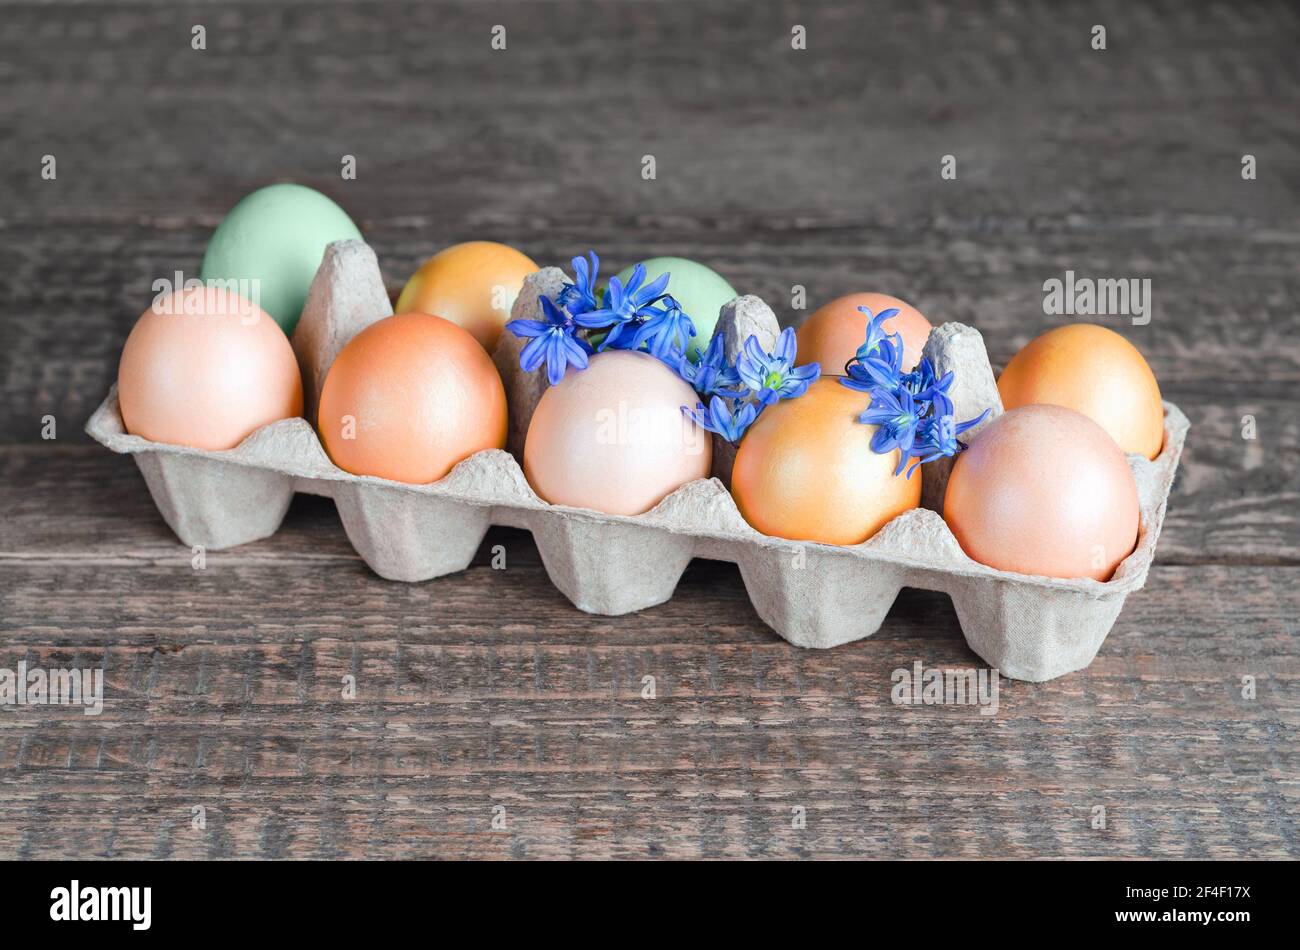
[[613, 438], [206, 368], [1044, 490]]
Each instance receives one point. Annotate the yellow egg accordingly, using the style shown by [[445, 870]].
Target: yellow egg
[[806, 471], [473, 285], [1095, 371]]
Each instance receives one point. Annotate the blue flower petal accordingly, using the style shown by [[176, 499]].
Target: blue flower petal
[[532, 355]]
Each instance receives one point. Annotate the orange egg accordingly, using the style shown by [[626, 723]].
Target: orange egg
[[1095, 371], [1044, 490], [204, 367], [408, 398], [473, 285], [832, 334], [805, 470]]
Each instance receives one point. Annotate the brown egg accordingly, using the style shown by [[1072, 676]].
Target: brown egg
[[832, 334], [204, 367], [1044, 490], [473, 285], [612, 437], [1095, 371], [805, 470], [408, 398]]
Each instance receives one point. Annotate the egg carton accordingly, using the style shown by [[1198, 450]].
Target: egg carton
[[813, 595]]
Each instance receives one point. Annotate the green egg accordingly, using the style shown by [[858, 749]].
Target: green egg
[[276, 236], [700, 290]]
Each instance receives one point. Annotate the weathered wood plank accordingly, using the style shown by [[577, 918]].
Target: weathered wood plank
[[445, 126], [540, 709], [857, 815]]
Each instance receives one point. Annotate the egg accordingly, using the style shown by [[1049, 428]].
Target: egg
[[613, 438], [1044, 490], [408, 398], [273, 241], [805, 470], [700, 290], [473, 285], [204, 367], [832, 334], [1095, 371]]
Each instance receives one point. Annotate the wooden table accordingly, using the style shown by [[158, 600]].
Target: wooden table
[[486, 694]]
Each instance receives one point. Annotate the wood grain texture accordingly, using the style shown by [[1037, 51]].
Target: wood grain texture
[[487, 688], [225, 694], [779, 168]]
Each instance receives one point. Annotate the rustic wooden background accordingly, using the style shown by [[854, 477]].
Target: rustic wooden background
[[777, 167]]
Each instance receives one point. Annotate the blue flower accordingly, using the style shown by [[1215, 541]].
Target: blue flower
[[580, 296], [624, 305], [726, 422], [937, 435], [619, 337], [879, 360], [667, 330], [912, 411], [773, 376], [876, 332], [920, 381], [883, 370], [712, 374], [672, 358], [924, 385], [895, 416], [554, 340]]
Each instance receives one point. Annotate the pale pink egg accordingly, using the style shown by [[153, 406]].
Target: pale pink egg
[[204, 367], [613, 438], [1044, 490]]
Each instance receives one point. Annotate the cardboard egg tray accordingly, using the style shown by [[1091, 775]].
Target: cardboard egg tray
[[813, 595]]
